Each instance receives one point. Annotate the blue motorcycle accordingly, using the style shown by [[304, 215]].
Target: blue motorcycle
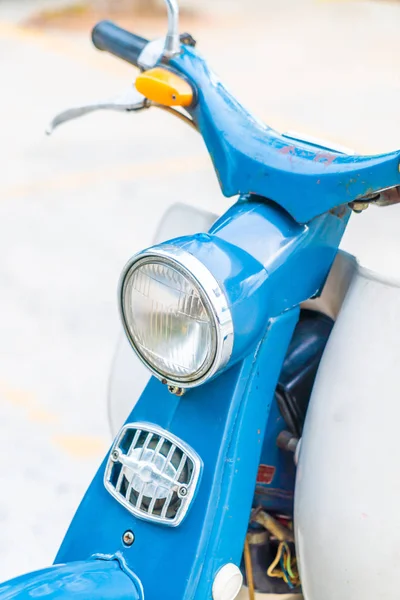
[[196, 496]]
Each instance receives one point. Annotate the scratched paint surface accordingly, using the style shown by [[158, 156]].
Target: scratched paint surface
[[74, 207]]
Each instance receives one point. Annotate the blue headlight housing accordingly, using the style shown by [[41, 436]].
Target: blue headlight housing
[[176, 315], [194, 306], [188, 307]]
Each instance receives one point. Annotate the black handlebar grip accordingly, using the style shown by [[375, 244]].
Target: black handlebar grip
[[111, 38]]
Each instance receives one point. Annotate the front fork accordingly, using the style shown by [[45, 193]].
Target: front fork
[[224, 421]]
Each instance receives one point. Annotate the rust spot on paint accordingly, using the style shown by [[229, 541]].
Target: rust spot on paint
[[288, 150], [366, 194], [339, 211], [325, 157]]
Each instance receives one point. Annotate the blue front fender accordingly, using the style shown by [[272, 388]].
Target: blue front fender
[[101, 578]]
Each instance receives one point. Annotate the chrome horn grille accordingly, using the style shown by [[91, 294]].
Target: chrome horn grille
[[152, 473]]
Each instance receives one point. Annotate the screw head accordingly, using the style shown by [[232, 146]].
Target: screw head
[[182, 492], [128, 538], [115, 455]]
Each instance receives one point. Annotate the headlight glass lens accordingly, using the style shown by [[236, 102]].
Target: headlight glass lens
[[168, 320]]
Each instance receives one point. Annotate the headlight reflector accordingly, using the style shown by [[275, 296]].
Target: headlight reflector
[[176, 320], [168, 320]]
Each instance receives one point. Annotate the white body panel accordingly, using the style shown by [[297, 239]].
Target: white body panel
[[348, 489]]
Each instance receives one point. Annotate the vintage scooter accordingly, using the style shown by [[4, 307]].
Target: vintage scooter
[[231, 325]]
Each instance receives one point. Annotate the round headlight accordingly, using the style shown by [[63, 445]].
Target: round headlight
[[176, 316]]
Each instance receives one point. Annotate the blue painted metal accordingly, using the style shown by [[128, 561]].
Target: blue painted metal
[[267, 265], [249, 157], [99, 579], [224, 421], [265, 262]]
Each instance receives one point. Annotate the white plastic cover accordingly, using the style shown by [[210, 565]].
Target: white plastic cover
[[348, 489]]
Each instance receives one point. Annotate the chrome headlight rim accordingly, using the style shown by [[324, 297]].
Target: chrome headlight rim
[[152, 259], [211, 293]]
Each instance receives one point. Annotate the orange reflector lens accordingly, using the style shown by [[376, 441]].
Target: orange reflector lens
[[164, 87]]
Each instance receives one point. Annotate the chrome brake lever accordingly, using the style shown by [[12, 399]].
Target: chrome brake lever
[[129, 100]]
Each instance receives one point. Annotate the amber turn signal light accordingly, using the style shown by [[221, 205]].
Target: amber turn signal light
[[164, 87]]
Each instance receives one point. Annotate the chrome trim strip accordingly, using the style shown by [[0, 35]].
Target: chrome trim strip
[[171, 484]]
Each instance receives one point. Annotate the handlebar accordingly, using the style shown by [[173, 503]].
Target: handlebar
[[115, 40]]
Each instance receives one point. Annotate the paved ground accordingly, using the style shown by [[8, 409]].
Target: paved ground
[[75, 207]]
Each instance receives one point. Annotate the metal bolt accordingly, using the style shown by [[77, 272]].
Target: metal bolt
[[359, 206], [115, 455], [128, 538], [187, 39], [182, 492], [177, 391]]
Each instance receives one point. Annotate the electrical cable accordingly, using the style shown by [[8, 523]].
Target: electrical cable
[[249, 569]]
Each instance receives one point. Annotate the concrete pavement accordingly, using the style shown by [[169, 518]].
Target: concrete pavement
[[75, 206]]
